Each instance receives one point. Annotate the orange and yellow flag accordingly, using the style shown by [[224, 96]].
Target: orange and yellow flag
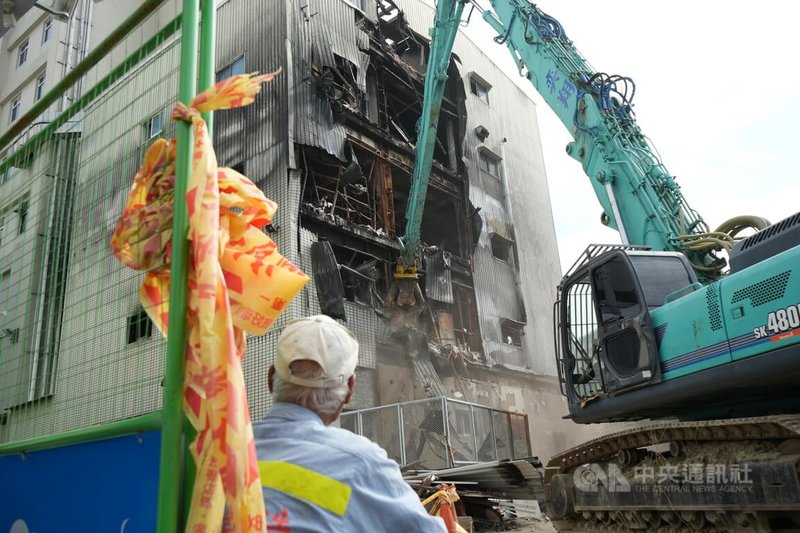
[[238, 283]]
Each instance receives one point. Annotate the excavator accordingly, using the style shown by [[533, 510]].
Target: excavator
[[699, 352]]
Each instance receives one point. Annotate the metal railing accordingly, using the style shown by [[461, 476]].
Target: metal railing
[[438, 433]]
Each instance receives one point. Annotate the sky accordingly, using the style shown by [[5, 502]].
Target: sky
[[717, 93]]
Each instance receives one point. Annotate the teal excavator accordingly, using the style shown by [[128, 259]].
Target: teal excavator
[[661, 328]]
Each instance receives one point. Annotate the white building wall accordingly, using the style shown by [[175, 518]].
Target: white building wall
[[90, 24]]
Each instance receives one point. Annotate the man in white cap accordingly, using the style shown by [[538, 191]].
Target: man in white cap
[[316, 477]]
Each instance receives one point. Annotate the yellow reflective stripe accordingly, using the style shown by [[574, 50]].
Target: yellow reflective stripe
[[326, 492]]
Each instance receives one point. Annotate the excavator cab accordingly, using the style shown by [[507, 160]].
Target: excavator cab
[[605, 342]]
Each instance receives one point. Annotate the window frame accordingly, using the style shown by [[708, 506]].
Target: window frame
[[47, 30], [219, 75], [139, 327], [479, 88], [486, 155], [22, 52], [38, 90], [516, 328], [15, 108], [495, 239], [148, 125], [22, 210]]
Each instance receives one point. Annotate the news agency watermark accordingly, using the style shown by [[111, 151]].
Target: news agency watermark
[[686, 477]]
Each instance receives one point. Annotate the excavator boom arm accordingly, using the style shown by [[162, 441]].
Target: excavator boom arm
[[638, 196], [443, 33]]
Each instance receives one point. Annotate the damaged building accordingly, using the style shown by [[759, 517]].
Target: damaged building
[[331, 140]]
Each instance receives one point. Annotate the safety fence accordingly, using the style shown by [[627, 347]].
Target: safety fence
[[80, 360], [438, 433]]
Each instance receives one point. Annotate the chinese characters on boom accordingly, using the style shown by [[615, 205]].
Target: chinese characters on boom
[[565, 91]]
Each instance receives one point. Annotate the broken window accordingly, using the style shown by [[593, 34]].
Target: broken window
[[512, 332], [502, 248], [444, 222], [340, 85], [466, 326], [479, 87], [360, 273], [336, 192]]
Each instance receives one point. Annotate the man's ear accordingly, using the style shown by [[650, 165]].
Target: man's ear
[[351, 386], [270, 375]]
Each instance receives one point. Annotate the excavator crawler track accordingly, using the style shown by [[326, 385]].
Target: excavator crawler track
[[725, 475]]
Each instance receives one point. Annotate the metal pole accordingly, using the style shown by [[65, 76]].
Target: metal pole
[[169, 486], [208, 43], [494, 435], [140, 424], [446, 423], [208, 22], [474, 436], [402, 434]]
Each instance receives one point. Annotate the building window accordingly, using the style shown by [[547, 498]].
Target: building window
[[139, 326], [22, 53], [479, 87], [16, 103], [235, 68], [153, 126], [22, 216], [5, 275], [489, 164], [502, 248], [512, 332], [2, 229], [39, 91], [47, 30]]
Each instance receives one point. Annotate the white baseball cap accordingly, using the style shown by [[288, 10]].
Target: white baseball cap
[[321, 339]]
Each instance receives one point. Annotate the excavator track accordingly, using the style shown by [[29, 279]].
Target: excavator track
[[722, 475]]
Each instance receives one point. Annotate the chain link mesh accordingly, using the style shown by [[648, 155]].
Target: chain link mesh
[[82, 350], [382, 426], [415, 434]]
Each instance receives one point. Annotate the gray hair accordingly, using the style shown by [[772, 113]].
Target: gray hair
[[324, 402]]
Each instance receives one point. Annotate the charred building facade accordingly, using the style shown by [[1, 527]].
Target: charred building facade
[[331, 140], [339, 165]]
